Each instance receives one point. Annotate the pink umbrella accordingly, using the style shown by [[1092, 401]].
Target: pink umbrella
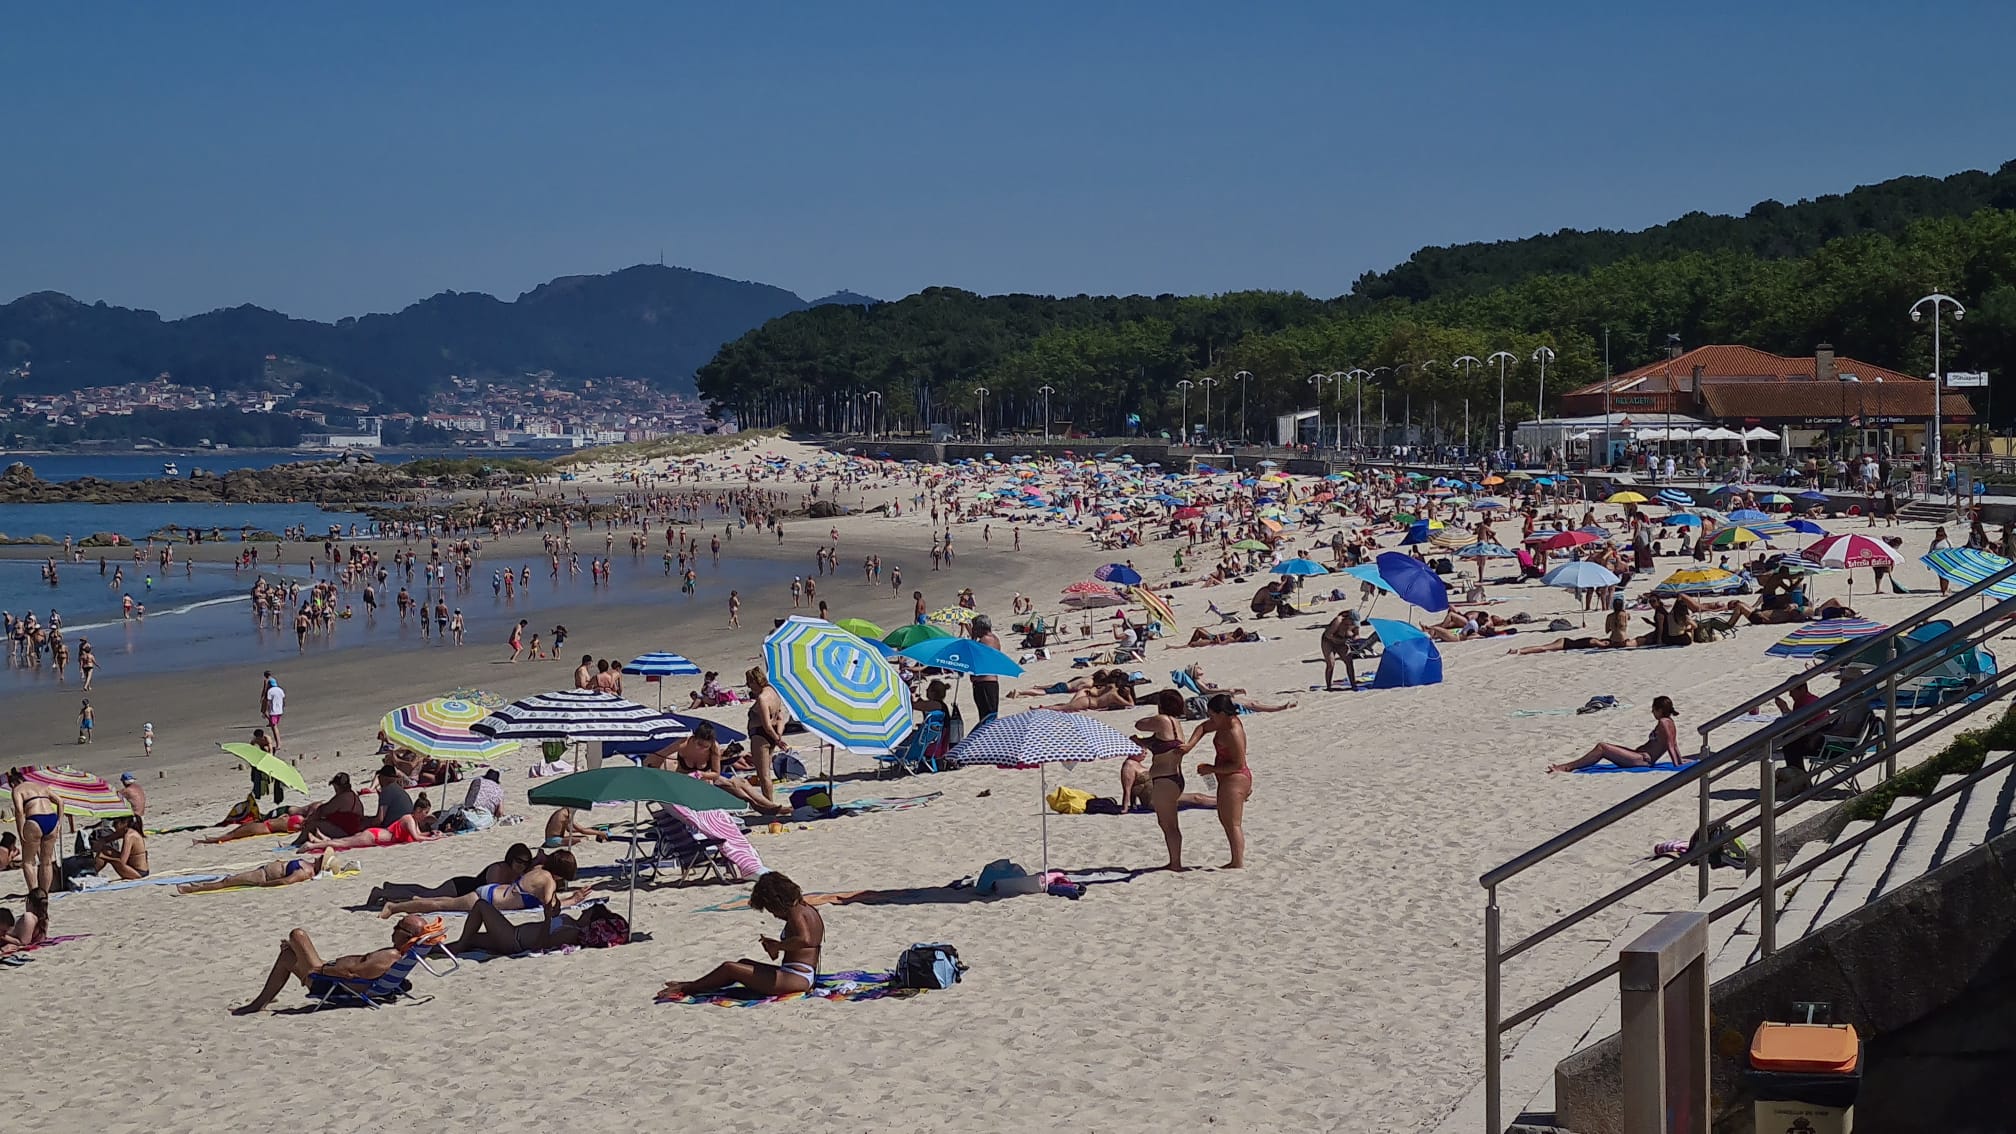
[[1849, 551]]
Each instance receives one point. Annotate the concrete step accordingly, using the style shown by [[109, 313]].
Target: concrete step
[[1803, 908], [1739, 941], [1985, 812], [1923, 841], [1866, 868]]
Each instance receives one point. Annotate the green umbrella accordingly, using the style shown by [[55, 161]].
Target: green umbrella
[[904, 637], [635, 784], [860, 627], [1249, 545], [267, 762]]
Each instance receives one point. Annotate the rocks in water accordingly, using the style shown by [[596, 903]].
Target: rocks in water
[[317, 481]]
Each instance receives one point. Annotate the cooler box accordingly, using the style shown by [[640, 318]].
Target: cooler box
[[1805, 1077]]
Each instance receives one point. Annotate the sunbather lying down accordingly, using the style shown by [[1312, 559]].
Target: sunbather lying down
[[279, 872], [300, 960], [489, 930], [1203, 637]]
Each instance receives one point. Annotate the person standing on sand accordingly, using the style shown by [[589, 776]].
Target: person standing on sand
[[517, 639], [87, 662], [986, 687], [37, 813], [734, 610], [917, 614], [766, 727], [273, 702], [1234, 775]]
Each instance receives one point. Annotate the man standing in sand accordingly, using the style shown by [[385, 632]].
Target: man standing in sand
[[766, 728], [986, 687], [133, 794], [272, 703], [300, 960]]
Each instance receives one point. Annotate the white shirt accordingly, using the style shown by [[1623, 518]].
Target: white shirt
[[276, 700]]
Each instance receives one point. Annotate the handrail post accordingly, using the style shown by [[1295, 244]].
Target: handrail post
[[1703, 871], [1767, 850], [1890, 718], [1492, 1014]]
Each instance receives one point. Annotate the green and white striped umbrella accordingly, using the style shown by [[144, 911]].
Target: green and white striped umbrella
[[837, 685]]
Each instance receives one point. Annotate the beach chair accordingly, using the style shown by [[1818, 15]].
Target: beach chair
[[394, 983], [916, 756], [1223, 616], [675, 844], [1854, 732]]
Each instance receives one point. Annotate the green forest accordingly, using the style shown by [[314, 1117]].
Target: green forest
[[1843, 269]]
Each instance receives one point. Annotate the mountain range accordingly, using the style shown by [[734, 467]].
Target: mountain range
[[649, 321]]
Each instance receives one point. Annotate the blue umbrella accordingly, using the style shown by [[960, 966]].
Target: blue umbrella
[[963, 655], [1806, 527], [1300, 567], [1811, 497], [1367, 573], [1484, 551], [1746, 515], [1412, 580], [1118, 573], [655, 668], [1683, 520]]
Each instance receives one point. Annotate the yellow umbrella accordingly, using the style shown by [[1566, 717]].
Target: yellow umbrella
[[270, 764], [1155, 603], [1625, 498]]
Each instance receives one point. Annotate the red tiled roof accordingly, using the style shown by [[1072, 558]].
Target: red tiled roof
[[1904, 398], [1726, 362]]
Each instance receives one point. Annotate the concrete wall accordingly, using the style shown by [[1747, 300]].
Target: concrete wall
[[1926, 974]]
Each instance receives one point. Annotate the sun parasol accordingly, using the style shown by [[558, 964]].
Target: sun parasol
[[1155, 603], [861, 628], [1626, 497], [1413, 581], [1038, 739], [80, 793], [963, 655], [1117, 573], [578, 715], [904, 637], [954, 614], [270, 764], [1966, 566], [1812, 639], [440, 729], [1696, 581], [839, 687], [1851, 550], [1736, 536], [1249, 545], [1086, 588], [632, 784]]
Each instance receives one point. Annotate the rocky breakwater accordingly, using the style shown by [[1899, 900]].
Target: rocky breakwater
[[318, 482]]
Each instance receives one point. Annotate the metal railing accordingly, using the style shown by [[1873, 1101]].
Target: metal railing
[[1861, 683]]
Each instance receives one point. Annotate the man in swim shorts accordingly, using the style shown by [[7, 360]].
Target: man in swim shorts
[[300, 960]]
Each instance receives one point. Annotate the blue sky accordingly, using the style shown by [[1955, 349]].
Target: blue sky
[[337, 159]]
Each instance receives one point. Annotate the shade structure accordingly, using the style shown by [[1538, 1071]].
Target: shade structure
[[1299, 566], [861, 627], [661, 665], [1117, 573], [1580, 575], [80, 793], [1697, 581], [956, 614], [1407, 657], [272, 765], [1966, 566], [1038, 739], [904, 637], [442, 729], [1812, 639], [1413, 581], [632, 784], [1851, 550], [836, 685], [963, 655], [578, 715]]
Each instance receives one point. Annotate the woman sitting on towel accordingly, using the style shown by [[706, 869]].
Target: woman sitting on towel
[[699, 756], [795, 951], [1662, 744], [537, 888]]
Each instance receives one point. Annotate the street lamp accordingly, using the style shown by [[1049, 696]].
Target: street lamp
[[1469, 363], [1376, 372], [1207, 382], [1501, 358], [1316, 384], [1046, 391], [875, 398], [1242, 378], [1543, 356], [1183, 425], [1337, 379], [980, 425], [1937, 471], [1358, 376]]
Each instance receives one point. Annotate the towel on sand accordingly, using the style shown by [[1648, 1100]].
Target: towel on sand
[[856, 984], [1611, 769]]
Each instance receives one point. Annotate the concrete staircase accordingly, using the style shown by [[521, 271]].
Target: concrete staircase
[[1927, 512], [1844, 884]]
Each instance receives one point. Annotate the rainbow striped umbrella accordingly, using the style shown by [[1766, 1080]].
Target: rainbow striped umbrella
[[1966, 566], [81, 793], [1812, 639], [1696, 581], [1737, 536], [440, 730], [837, 685], [1156, 604]]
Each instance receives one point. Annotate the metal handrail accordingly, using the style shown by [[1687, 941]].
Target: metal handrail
[[1757, 747]]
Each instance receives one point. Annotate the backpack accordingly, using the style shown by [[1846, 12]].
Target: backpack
[[785, 766], [1730, 853], [1103, 806], [928, 966], [605, 931]]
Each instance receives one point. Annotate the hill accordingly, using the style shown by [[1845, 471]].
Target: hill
[[649, 321]]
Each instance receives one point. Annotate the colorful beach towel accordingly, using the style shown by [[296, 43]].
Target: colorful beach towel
[[126, 884], [856, 984], [20, 956], [1612, 769]]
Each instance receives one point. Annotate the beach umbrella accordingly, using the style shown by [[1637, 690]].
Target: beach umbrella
[[655, 668], [1684, 520], [481, 697], [1774, 498], [963, 655], [1117, 573], [1367, 573], [270, 764], [836, 685], [903, 637], [1674, 498], [861, 628], [1299, 566], [1249, 545], [1747, 515], [1966, 566], [1488, 505], [1155, 604], [1038, 739], [1806, 527], [577, 715], [633, 784], [953, 614], [1812, 639], [1562, 541], [1580, 575], [1736, 536], [1089, 589], [1485, 551], [1696, 581], [80, 793], [1413, 581], [1851, 550], [1449, 539], [1811, 497], [1626, 497], [440, 729]]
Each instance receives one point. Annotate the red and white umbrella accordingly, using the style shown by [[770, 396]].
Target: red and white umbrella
[[1850, 550]]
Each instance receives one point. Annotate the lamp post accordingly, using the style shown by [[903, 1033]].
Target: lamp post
[[1316, 384], [980, 422], [1376, 371], [1243, 377], [1936, 473], [1469, 363], [1357, 376], [874, 415], [1501, 358], [1543, 356], [1430, 364], [1183, 426], [1046, 391], [1337, 381], [1207, 382]]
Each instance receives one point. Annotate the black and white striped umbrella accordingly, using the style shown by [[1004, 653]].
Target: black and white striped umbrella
[[578, 715], [1038, 739]]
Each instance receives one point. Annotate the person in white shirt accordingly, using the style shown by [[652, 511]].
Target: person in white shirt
[[275, 703]]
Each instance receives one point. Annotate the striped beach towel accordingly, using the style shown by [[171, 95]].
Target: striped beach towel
[[854, 984]]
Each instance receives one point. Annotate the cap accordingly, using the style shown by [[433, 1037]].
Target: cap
[[126, 777]]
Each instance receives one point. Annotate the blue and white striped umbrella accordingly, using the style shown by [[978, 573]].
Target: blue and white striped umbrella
[[837, 685], [1966, 566], [661, 665], [1675, 498], [1038, 739], [578, 715]]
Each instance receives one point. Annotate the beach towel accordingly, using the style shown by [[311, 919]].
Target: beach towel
[[20, 957], [92, 885], [893, 803], [854, 984], [1610, 769], [346, 871]]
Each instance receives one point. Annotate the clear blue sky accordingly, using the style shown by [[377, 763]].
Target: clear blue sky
[[357, 157]]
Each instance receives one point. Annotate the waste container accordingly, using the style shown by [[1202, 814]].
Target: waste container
[[1805, 1078]]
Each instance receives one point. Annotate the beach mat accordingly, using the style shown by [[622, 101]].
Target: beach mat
[[855, 984], [1612, 769], [352, 872], [136, 883]]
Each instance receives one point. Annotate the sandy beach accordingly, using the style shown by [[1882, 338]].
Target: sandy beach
[[1333, 984]]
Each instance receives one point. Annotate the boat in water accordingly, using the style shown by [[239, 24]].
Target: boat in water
[[169, 469]]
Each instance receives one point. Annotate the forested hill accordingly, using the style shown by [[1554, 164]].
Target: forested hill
[[1770, 230], [648, 321]]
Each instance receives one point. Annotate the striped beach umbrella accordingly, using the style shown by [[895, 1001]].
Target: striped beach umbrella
[[1737, 536], [1155, 604], [1117, 573], [1966, 566], [1851, 550], [1696, 581], [1449, 539], [1038, 739], [1812, 639], [1086, 588], [836, 685], [661, 665], [81, 793], [578, 715], [1674, 498], [442, 729]]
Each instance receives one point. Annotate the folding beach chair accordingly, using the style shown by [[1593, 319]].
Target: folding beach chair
[[391, 985], [675, 844], [916, 756], [1223, 616]]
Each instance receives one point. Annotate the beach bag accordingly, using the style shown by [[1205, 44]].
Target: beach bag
[[605, 931], [785, 766], [1730, 853], [955, 730], [928, 966], [1068, 800], [1103, 806]]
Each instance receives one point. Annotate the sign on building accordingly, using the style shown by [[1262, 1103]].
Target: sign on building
[[1962, 379]]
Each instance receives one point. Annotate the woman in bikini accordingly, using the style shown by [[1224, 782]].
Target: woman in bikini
[[280, 872], [699, 756], [537, 888], [1164, 732], [341, 815], [511, 868], [257, 828], [37, 814], [31, 928], [1116, 692], [1234, 775], [1616, 625], [1163, 746], [415, 828], [795, 951], [1662, 744]]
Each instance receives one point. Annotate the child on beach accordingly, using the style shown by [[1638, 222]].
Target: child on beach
[[147, 739], [84, 723]]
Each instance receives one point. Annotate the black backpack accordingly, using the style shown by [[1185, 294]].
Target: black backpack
[[929, 966]]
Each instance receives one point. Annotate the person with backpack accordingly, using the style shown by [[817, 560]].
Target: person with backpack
[[794, 953]]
